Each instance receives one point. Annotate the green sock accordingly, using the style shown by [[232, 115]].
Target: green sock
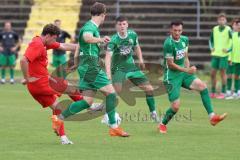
[[11, 73], [229, 84], [236, 85], [213, 90], [75, 107], [168, 116], [206, 101], [3, 73], [111, 101], [151, 102], [223, 88]]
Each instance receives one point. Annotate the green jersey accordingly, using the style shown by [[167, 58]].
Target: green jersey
[[89, 52], [122, 50], [176, 50]]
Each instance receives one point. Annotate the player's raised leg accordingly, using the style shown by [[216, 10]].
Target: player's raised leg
[[198, 85], [58, 125], [78, 106], [148, 89], [171, 111], [111, 103]]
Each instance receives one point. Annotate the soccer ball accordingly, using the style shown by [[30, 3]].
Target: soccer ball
[[105, 119]]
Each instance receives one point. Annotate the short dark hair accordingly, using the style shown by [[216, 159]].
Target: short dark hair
[[50, 29], [176, 23], [121, 19], [97, 9], [57, 20]]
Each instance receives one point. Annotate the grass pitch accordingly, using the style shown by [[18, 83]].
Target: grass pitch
[[25, 132]]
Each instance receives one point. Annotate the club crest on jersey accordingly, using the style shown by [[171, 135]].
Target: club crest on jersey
[[180, 54], [125, 50]]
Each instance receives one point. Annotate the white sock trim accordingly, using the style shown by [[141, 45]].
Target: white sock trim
[[114, 125], [63, 137], [211, 115]]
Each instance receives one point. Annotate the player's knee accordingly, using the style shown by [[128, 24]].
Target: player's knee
[[118, 89], [149, 88], [202, 85], [88, 100], [176, 105], [213, 73]]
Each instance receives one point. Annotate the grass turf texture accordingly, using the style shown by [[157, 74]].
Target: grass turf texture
[[26, 132]]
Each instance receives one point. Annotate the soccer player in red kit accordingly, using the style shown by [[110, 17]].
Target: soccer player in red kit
[[39, 83]]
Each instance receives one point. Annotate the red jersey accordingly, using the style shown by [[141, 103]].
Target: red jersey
[[36, 53]]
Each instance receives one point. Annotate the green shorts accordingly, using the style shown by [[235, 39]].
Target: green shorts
[[173, 86], [236, 69], [7, 60], [230, 69], [92, 78], [58, 60], [136, 77], [219, 62]]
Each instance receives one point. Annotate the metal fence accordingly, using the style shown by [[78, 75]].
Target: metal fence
[[169, 1]]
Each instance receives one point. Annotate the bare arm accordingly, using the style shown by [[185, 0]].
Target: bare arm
[[75, 61], [174, 66], [24, 67], [186, 62], [138, 52], [18, 44], [67, 46], [76, 56], [89, 38], [108, 59]]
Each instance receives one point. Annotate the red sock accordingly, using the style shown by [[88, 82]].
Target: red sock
[[56, 112], [61, 130], [76, 96]]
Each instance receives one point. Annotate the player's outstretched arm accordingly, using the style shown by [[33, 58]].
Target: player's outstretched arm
[[108, 59], [138, 52], [186, 62], [174, 66], [67, 46], [24, 68], [89, 38]]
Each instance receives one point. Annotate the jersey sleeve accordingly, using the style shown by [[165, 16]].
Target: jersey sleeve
[[67, 35], [167, 50], [54, 45], [136, 42], [88, 30], [16, 36], [33, 52]]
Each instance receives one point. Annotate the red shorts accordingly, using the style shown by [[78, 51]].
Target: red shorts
[[43, 92]]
